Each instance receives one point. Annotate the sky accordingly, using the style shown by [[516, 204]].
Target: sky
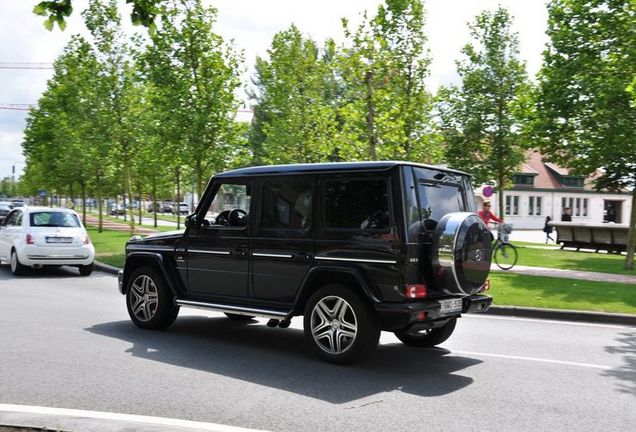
[[251, 24]]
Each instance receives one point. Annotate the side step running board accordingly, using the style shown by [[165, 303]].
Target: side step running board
[[239, 310]]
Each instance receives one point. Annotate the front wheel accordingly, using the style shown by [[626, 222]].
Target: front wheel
[[149, 301], [86, 270], [427, 338], [340, 325], [505, 256]]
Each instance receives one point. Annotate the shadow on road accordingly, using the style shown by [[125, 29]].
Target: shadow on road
[[280, 359], [627, 372], [46, 272]]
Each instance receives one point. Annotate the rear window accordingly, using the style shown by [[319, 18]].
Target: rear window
[[53, 219], [360, 204]]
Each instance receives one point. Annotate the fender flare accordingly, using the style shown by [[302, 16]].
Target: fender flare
[[159, 262], [306, 285]]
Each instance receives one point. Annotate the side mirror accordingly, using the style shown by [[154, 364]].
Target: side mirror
[[191, 220]]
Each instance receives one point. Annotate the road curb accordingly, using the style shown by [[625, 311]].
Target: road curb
[[105, 267], [514, 311], [561, 314]]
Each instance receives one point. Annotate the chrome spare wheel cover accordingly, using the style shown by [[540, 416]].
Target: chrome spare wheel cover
[[143, 298], [334, 325]]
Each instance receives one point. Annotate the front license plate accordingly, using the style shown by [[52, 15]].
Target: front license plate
[[450, 306], [59, 240]]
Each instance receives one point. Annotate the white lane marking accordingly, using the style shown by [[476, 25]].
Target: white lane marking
[[533, 359], [546, 321], [160, 421]]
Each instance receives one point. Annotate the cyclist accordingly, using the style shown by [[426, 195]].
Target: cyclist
[[486, 215]]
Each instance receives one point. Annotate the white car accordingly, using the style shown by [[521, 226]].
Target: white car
[[41, 236]]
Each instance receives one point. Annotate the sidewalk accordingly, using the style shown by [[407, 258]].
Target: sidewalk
[[116, 226], [569, 274]]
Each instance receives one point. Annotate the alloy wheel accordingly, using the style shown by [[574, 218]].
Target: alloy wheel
[[334, 325], [143, 298]]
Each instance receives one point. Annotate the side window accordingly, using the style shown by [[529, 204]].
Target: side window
[[230, 206], [12, 218], [356, 204], [286, 204]]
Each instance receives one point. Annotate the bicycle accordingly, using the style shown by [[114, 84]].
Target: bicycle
[[504, 254]]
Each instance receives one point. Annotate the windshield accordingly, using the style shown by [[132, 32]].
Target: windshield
[[431, 194], [54, 219]]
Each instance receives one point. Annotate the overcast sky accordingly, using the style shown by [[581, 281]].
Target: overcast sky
[[251, 24]]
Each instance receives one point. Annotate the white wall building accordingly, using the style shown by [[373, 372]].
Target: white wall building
[[543, 189]]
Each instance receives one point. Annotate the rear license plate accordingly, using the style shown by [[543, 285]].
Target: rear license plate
[[59, 239], [450, 306]]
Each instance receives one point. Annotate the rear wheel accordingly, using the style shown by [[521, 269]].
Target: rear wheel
[[427, 338], [340, 325], [149, 301], [505, 256], [17, 269], [86, 270]]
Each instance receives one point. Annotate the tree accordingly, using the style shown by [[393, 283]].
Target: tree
[[481, 119], [585, 116], [294, 114], [195, 74], [386, 109], [56, 11]]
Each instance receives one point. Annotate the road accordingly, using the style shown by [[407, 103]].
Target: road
[[66, 341]]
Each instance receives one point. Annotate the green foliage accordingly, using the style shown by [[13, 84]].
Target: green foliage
[[585, 116], [194, 74], [385, 108], [481, 119], [294, 115]]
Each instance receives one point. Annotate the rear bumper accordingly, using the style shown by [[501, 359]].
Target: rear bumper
[[76, 255], [396, 316]]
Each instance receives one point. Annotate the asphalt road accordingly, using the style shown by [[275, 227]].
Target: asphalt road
[[66, 341]]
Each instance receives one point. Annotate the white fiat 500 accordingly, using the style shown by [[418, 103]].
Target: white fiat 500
[[41, 236]]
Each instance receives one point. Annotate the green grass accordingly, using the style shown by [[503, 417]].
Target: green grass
[[572, 260], [109, 245], [120, 220], [510, 289]]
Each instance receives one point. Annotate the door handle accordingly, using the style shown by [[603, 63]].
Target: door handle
[[240, 251], [303, 255]]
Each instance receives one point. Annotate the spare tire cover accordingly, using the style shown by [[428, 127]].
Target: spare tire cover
[[462, 252]]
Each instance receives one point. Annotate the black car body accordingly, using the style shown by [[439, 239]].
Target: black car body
[[396, 244]]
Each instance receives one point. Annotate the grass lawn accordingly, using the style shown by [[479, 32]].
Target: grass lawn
[[510, 289], [572, 260], [121, 221], [109, 245]]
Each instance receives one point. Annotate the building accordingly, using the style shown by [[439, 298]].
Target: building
[[543, 189]]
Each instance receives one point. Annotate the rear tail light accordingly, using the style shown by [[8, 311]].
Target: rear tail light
[[485, 286], [415, 291], [29, 239], [86, 239]]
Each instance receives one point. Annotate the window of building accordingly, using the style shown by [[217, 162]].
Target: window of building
[[356, 204], [286, 204], [538, 211], [585, 207], [523, 179], [535, 205], [567, 202], [531, 206], [512, 205], [572, 181]]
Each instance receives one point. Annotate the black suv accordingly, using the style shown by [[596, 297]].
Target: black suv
[[355, 248]]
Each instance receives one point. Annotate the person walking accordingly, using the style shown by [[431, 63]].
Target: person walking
[[547, 229]]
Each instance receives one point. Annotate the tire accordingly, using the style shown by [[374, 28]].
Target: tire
[[505, 256], [17, 269], [237, 317], [326, 311], [86, 270], [427, 338], [149, 301]]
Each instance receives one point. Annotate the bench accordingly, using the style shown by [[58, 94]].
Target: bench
[[609, 237]]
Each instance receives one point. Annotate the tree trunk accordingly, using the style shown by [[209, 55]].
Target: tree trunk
[[371, 130], [100, 216], [154, 199], [83, 192], [140, 206], [500, 196], [199, 175], [129, 193], [178, 201], [631, 236]]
